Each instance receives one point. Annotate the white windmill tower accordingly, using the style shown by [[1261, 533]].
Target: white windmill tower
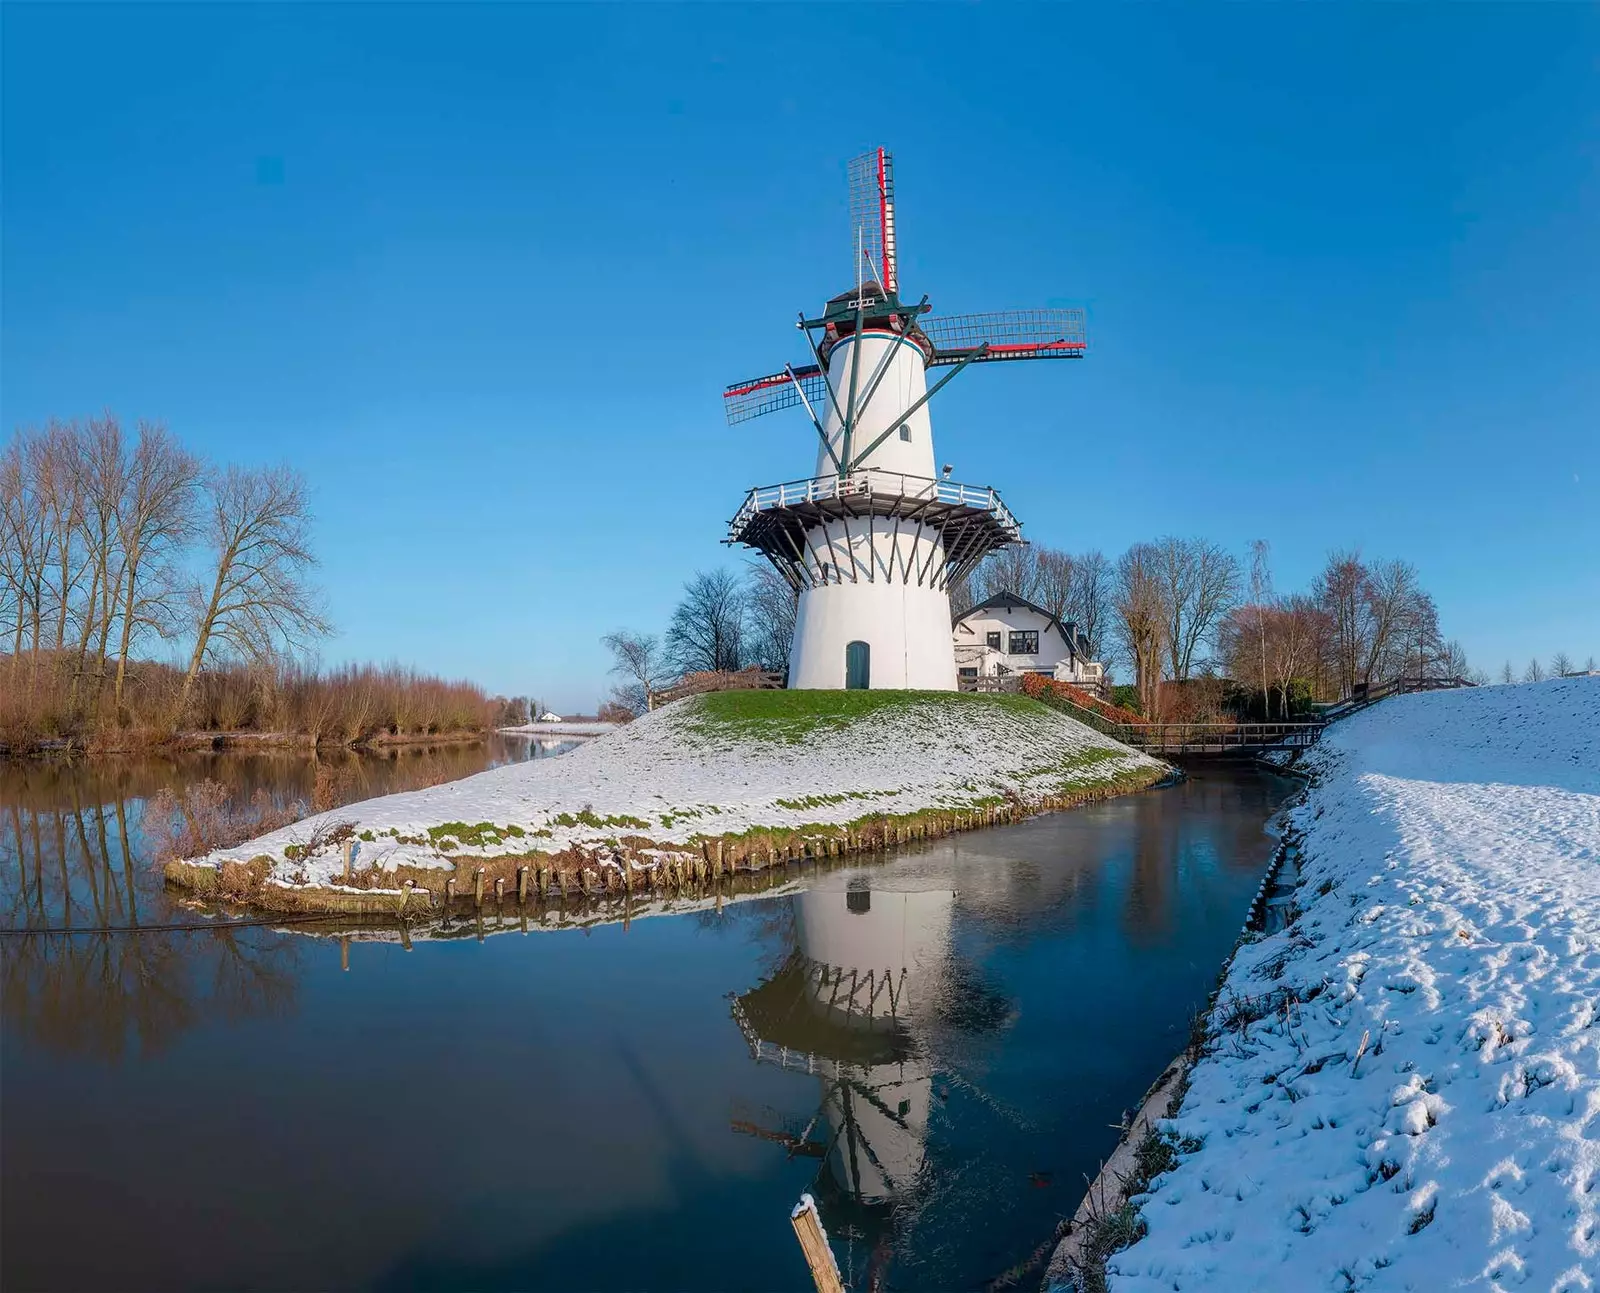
[[874, 539]]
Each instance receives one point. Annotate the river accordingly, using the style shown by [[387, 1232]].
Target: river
[[936, 1044]]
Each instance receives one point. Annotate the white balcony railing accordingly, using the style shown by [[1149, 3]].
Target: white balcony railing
[[869, 484]]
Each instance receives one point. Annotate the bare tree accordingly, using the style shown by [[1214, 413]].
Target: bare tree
[[13, 564], [1198, 582], [1534, 672], [1090, 598], [1453, 660], [1053, 571], [770, 608], [1506, 674], [103, 471], [706, 632], [1560, 665], [637, 658], [1141, 618], [1292, 642], [1393, 613], [1260, 596], [1341, 590], [257, 523], [155, 518], [1013, 570]]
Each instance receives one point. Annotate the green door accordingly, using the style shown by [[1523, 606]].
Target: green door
[[857, 666]]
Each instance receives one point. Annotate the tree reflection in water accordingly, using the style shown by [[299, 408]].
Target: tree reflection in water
[[73, 856]]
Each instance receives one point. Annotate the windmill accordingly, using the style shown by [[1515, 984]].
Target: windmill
[[873, 540]]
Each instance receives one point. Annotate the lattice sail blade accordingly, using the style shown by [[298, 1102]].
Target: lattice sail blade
[[746, 400], [1011, 334], [872, 218]]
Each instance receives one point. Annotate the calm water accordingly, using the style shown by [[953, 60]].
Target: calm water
[[934, 1045]]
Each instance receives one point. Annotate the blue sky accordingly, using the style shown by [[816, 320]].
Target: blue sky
[[481, 273]]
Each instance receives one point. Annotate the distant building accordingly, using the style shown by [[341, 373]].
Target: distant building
[[1008, 635]]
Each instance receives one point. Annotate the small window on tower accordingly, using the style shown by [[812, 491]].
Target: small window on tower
[[905, 431]]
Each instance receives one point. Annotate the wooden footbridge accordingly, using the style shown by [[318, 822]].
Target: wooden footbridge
[[1247, 740]]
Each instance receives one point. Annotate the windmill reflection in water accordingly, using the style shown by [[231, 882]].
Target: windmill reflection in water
[[868, 990]]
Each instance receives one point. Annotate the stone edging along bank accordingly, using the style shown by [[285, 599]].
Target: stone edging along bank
[[627, 865]]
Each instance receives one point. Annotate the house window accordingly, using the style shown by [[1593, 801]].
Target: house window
[[1023, 642], [905, 432], [967, 671], [993, 640]]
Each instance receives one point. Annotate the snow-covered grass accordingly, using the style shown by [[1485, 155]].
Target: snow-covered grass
[[1402, 1089], [718, 765]]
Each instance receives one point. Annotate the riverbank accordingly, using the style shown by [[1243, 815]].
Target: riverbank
[[141, 742], [710, 785], [1402, 1087]]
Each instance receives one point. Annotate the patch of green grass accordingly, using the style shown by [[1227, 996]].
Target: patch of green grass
[[824, 801], [584, 817], [794, 715], [477, 835]]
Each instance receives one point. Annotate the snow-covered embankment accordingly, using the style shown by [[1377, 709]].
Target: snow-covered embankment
[[1402, 1089], [722, 781]]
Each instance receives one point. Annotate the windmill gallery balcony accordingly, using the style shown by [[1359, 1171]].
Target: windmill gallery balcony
[[779, 520]]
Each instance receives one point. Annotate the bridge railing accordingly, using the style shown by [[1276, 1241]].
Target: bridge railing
[[1176, 738]]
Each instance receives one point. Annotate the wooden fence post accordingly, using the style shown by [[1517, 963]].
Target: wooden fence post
[[814, 1244]]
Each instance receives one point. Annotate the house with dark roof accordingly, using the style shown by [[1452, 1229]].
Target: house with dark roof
[[1007, 635]]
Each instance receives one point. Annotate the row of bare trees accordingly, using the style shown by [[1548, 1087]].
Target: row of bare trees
[[724, 622], [1561, 666], [1176, 609], [1362, 623], [116, 544]]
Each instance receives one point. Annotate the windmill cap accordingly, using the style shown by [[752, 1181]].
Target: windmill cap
[[869, 289]]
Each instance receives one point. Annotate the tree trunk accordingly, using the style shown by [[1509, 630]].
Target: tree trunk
[[126, 637]]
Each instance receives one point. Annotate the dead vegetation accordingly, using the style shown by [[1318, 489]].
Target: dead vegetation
[[205, 818]]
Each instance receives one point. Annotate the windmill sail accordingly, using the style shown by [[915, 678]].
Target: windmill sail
[[1010, 334], [872, 219], [745, 400]]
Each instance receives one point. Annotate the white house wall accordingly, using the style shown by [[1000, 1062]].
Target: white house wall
[[1052, 647]]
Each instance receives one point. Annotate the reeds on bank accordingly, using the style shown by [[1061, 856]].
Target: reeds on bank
[[56, 698]]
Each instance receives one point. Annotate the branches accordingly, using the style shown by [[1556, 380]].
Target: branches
[[770, 609], [637, 657], [1141, 618], [1198, 583], [257, 524], [707, 628], [97, 535]]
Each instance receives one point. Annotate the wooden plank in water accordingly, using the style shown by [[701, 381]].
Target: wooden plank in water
[[814, 1244]]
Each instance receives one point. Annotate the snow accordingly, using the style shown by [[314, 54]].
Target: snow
[[674, 775], [1450, 915]]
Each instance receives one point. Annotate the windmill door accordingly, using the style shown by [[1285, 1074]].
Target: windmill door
[[857, 666]]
